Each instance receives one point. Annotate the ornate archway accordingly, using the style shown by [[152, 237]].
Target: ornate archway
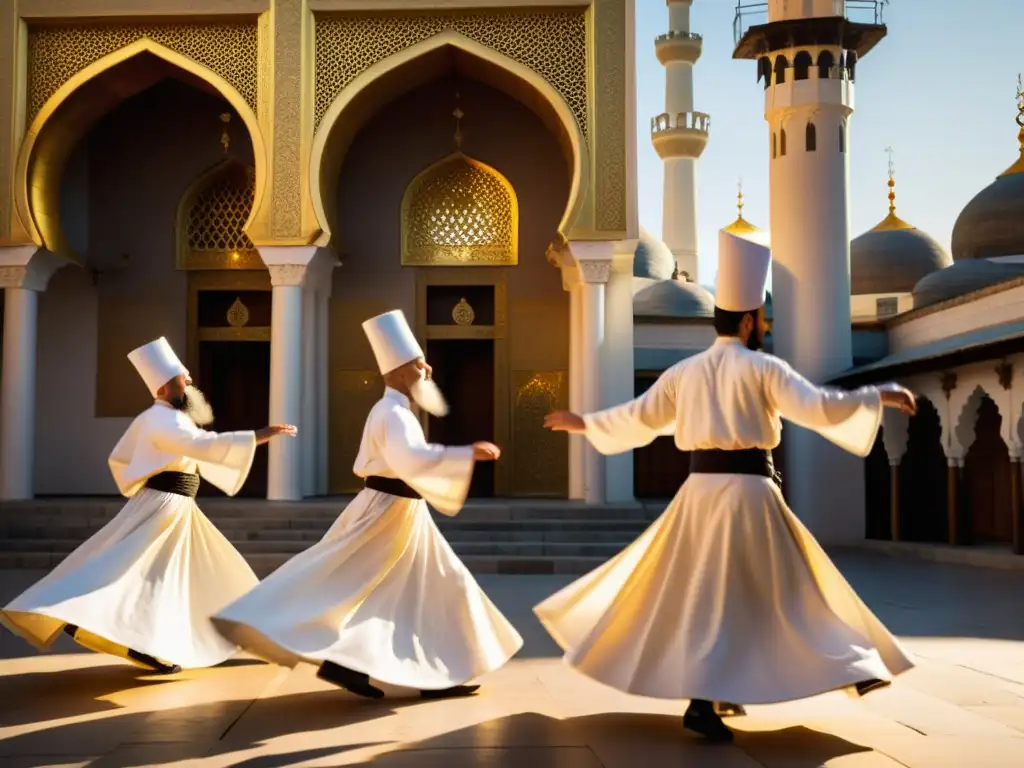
[[415, 65], [74, 109]]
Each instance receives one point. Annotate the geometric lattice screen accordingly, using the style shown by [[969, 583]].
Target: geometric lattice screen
[[460, 211]]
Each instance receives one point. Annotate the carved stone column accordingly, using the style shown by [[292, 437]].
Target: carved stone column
[[895, 436], [288, 267], [25, 271], [594, 262], [618, 380], [571, 284]]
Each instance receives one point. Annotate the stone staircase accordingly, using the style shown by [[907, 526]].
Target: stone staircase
[[492, 536]]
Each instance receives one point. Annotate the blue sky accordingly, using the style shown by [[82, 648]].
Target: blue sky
[[939, 89]]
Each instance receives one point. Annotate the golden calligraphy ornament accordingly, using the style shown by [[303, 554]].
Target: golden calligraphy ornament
[[463, 314], [238, 314]]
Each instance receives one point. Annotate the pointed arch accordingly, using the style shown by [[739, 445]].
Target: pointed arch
[[211, 217], [482, 226], [36, 188], [355, 102]]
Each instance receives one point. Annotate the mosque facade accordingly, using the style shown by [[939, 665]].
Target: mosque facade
[[254, 178]]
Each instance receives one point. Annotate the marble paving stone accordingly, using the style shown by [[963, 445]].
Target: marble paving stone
[[962, 707]]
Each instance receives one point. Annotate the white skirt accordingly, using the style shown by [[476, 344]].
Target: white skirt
[[149, 580], [383, 594], [726, 597]]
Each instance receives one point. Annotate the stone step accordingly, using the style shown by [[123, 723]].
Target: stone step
[[312, 516], [265, 564], [492, 548], [311, 530]]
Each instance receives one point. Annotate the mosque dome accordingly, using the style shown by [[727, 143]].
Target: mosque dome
[[652, 258], [961, 278], [893, 256], [992, 224], [671, 299]]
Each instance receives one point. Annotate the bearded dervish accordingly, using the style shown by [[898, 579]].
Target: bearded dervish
[[144, 586], [727, 597], [382, 597]]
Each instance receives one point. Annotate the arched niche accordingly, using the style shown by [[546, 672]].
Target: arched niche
[[459, 212], [444, 53], [986, 476], [924, 505], [78, 105], [212, 216]]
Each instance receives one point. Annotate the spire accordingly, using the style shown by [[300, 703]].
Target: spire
[[741, 226], [1018, 167], [892, 221]]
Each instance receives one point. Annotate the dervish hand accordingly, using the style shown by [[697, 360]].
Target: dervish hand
[[564, 421], [895, 396], [484, 451], [264, 435]]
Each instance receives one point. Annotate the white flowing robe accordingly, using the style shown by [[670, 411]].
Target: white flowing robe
[[727, 596], [383, 593], [150, 579]]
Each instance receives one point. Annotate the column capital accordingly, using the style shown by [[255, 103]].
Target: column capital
[[593, 259], [28, 266], [287, 263]]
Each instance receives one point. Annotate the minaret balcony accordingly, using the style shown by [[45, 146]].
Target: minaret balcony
[[678, 45], [684, 134]]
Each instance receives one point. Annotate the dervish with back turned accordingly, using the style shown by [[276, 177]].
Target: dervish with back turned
[[382, 597], [727, 597], [145, 585]]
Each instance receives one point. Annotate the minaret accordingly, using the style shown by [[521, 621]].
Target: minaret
[[679, 136], [807, 55]]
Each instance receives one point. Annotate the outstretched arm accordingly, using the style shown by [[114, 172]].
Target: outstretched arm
[[627, 426], [848, 419], [441, 474], [224, 458]]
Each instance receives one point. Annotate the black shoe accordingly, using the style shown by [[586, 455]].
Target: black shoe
[[701, 718], [725, 709], [455, 692], [351, 681], [154, 664], [867, 686]]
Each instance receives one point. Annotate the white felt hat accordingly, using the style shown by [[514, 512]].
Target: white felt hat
[[743, 264], [156, 363], [392, 340]]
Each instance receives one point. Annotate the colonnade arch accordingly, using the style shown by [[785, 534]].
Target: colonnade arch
[[414, 66], [81, 102]]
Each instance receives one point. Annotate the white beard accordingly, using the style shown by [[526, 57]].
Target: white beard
[[427, 395], [197, 407]]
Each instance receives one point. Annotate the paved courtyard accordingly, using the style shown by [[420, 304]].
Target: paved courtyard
[[963, 707]]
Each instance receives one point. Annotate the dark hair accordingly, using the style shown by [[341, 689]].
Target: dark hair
[[727, 323]]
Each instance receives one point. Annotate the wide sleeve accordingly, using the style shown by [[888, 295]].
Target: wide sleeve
[[848, 419], [440, 474], [638, 422], [224, 458]]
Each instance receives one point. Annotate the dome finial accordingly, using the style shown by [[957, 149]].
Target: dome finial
[[1018, 167], [892, 183], [741, 226]]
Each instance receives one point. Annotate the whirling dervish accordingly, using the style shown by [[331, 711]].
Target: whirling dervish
[[382, 596], [727, 597], [144, 586]]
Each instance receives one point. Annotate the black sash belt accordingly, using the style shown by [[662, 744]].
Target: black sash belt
[[392, 486], [181, 483], [752, 461]]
